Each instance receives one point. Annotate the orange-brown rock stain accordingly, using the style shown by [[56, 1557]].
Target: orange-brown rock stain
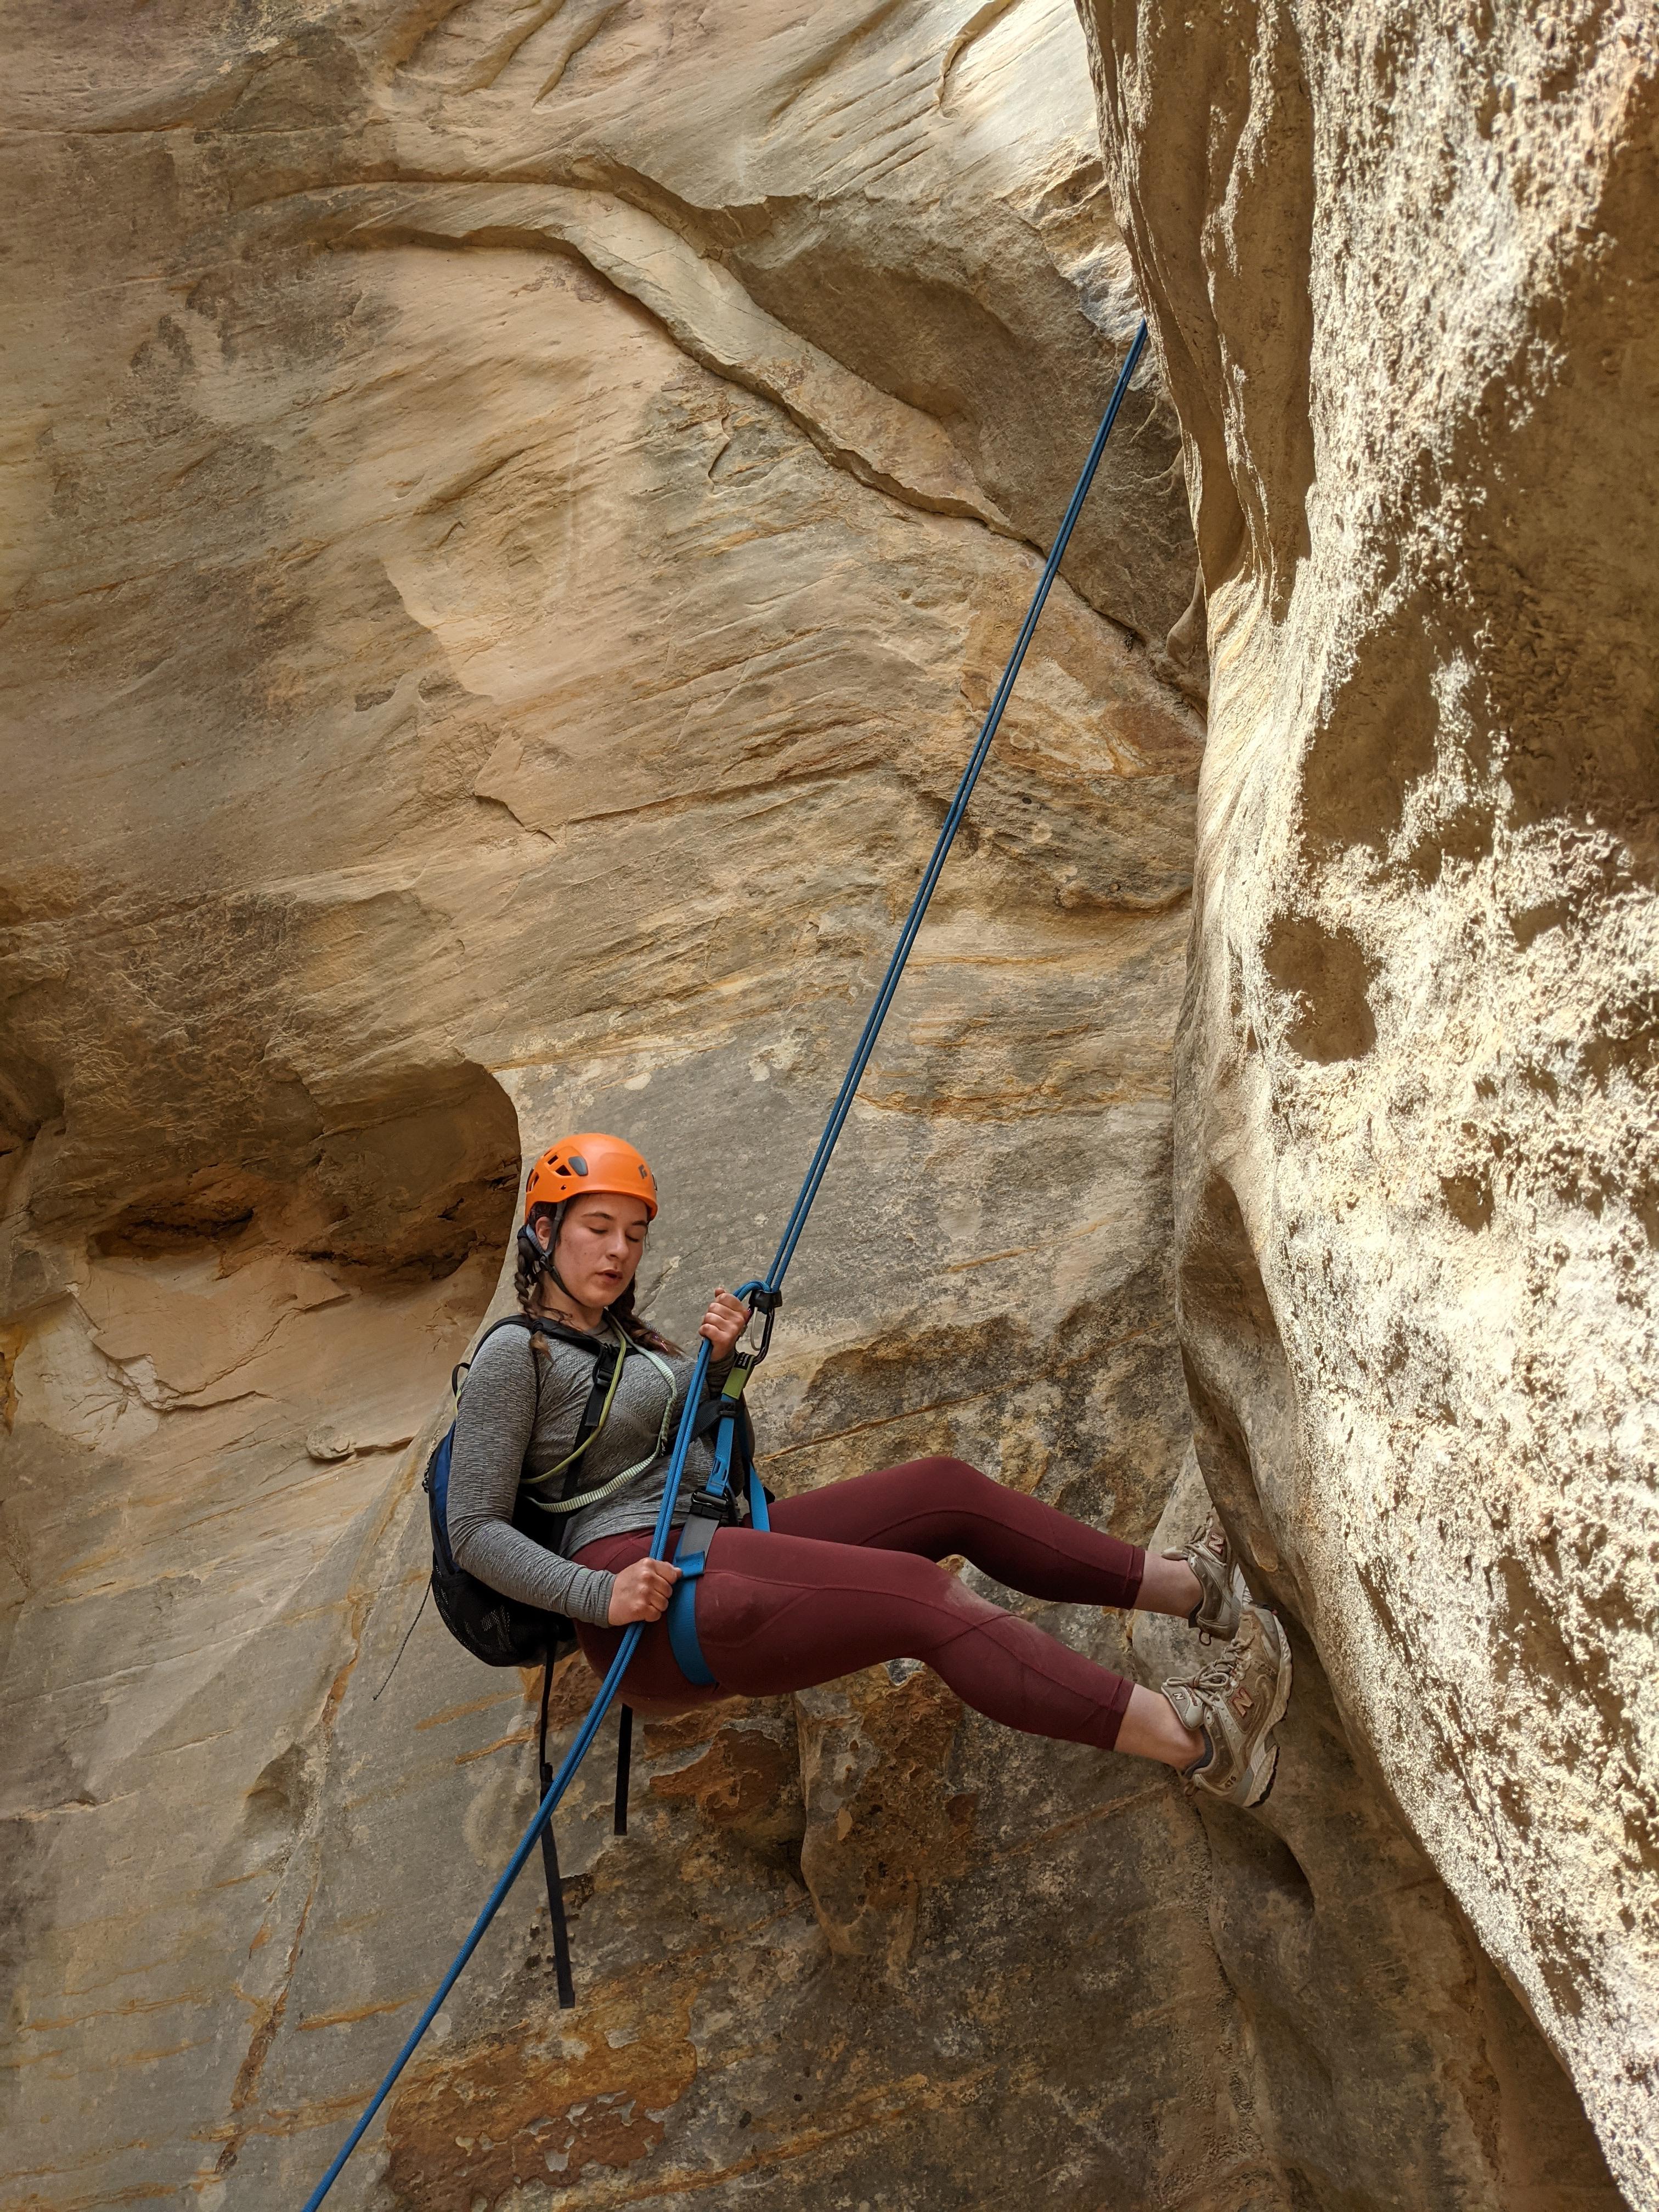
[[742, 1774], [539, 2101], [883, 1821], [11, 1343]]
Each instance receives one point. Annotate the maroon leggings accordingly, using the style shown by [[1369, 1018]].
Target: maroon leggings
[[845, 1578]]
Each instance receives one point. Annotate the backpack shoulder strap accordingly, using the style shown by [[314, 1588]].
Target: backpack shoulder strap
[[606, 1368], [607, 1359], [458, 1373], [608, 1362]]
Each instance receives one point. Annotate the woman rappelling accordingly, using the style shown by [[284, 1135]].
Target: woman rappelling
[[554, 1509], [550, 1492]]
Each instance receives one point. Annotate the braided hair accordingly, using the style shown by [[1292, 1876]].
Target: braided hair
[[528, 1272]]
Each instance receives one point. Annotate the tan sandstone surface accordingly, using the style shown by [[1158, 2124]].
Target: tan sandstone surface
[[515, 514], [1401, 267]]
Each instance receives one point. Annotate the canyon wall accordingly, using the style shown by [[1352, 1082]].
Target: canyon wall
[[516, 513], [1400, 265]]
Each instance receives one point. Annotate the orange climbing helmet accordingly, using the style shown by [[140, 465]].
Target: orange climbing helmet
[[589, 1162]]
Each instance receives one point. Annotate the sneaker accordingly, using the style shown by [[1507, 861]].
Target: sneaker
[[1235, 1703], [1221, 1583]]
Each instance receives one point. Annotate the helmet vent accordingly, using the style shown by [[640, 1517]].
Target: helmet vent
[[590, 1160]]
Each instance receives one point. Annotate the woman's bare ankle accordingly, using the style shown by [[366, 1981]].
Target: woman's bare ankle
[[1169, 1586], [1152, 1729]]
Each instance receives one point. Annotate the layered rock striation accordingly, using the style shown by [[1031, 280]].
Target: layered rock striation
[[519, 512]]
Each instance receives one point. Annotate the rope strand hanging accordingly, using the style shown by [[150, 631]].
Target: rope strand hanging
[[766, 1293]]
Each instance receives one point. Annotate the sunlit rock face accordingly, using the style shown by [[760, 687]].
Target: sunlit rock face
[[518, 513], [1399, 267], [522, 512]]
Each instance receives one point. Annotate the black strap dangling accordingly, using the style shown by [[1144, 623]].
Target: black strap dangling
[[550, 1858], [624, 1760]]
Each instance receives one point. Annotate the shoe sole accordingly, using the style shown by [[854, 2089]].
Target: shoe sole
[[1263, 1770], [1238, 1592], [1225, 1628], [1266, 1790]]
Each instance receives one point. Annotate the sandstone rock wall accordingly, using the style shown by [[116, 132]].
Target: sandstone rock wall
[[519, 512], [502, 649], [1400, 265]]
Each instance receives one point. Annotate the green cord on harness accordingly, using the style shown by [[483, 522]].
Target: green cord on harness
[[579, 1500]]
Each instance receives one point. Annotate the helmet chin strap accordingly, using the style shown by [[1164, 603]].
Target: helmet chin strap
[[542, 1254]]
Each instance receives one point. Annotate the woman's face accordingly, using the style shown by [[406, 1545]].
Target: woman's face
[[600, 1241]]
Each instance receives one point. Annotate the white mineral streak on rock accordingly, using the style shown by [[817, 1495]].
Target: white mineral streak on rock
[[1400, 265]]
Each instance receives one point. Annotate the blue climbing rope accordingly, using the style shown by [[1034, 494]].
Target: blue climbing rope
[[953, 822], [773, 1282]]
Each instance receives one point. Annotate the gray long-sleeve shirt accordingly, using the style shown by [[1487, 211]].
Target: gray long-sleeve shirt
[[499, 1432]]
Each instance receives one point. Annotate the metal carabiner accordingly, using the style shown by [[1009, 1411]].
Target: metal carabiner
[[763, 1306]]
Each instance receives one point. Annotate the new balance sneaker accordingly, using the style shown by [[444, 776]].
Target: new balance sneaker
[[1235, 1703], [1220, 1581]]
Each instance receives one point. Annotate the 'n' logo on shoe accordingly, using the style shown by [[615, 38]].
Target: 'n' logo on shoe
[[1236, 1702]]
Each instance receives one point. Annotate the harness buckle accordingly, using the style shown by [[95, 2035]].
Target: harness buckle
[[719, 1506]]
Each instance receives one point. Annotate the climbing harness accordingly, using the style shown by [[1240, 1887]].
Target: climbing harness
[[715, 1506], [712, 1503]]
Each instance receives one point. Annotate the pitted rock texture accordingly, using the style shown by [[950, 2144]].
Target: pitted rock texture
[[520, 510], [1401, 265], [1391, 2064]]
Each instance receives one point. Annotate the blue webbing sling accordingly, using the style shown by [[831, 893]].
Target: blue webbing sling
[[710, 1507]]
